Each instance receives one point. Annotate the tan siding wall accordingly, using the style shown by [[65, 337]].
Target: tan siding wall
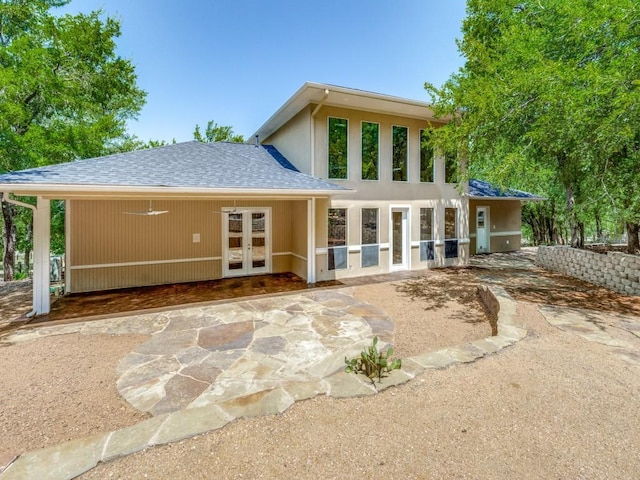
[[299, 238], [101, 234], [86, 280]]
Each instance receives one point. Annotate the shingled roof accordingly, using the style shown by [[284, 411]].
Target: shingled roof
[[482, 189], [219, 165]]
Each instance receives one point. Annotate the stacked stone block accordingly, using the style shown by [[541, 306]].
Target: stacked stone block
[[617, 271]]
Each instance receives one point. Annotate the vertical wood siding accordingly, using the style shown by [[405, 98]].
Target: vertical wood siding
[[102, 234]]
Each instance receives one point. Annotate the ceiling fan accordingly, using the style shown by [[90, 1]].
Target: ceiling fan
[[230, 211], [149, 211]]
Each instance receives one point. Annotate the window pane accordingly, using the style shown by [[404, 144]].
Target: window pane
[[426, 157], [370, 255], [338, 148], [369, 226], [400, 153], [337, 258], [450, 248], [450, 227], [426, 224], [427, 251], [370, 136], [337, 227], [450, 161]]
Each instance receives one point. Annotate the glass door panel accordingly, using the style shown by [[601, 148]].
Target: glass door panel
[[258, 240], [235, 247], [397, 238]]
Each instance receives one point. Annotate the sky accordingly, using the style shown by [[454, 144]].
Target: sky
[[237, 61]]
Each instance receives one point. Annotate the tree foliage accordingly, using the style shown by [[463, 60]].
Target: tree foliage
[[65, 93], [548, 100], [217, 133]]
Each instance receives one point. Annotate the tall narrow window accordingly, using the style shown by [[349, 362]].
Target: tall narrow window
[[338, 128], [370, 150], [450, 233], [427, 248], [370, 248], [426, 157], [450, 167], [400, 153], [337, 239]]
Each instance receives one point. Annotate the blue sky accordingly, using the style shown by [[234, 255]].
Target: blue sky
[[237, 61]]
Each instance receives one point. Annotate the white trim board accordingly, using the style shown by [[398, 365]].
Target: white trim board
[[280, 254], [148, 262], [506, 234]]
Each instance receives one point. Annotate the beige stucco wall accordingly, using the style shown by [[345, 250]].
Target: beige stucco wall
[[354, 209], [504, 220], [384, 188], [110, 249], [293, 140], [382, 194]]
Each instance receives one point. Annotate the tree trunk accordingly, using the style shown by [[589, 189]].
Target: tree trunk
[[633, 242], [574, 225], [28, 247], [599, 233], [8, 241]]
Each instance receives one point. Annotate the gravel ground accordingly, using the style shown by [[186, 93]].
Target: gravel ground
[[59, 388], [552, 406]]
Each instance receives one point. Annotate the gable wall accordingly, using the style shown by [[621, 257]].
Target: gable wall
[[293, 140]]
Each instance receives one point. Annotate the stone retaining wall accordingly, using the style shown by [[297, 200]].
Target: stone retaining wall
[[617, 271]]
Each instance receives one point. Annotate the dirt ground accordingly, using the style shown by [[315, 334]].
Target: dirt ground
[[552, 406], [58, 388]]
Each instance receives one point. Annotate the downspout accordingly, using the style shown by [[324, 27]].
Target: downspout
[[5, 198]]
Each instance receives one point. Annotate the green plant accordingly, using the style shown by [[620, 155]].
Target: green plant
[[373, 363], [20, 275]]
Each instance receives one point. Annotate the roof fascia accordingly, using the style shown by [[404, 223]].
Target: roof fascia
[[311, 93], [534, 199], [55, 191]]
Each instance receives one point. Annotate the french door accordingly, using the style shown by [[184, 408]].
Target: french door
[[247, 242]]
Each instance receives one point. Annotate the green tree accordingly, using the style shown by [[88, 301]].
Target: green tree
[[217, 133], [65, 92], [547, 97]]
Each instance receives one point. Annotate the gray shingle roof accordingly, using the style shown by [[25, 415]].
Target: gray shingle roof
[[183, 165], [484, 189]]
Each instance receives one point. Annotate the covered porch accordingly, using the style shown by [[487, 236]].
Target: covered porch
[[188, 212]]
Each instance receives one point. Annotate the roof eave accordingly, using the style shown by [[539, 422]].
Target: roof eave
[[312, 92], [66, 191], [524, 199]]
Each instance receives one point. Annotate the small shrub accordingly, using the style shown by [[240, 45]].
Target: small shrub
[[373, 363]]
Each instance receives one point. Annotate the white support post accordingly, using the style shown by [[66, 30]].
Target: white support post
[[311, 240], [41, 248]]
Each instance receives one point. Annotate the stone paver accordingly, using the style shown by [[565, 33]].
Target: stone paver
[[610, 329], [204, 367]]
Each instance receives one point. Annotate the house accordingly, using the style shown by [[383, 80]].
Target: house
[[337, 184]]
